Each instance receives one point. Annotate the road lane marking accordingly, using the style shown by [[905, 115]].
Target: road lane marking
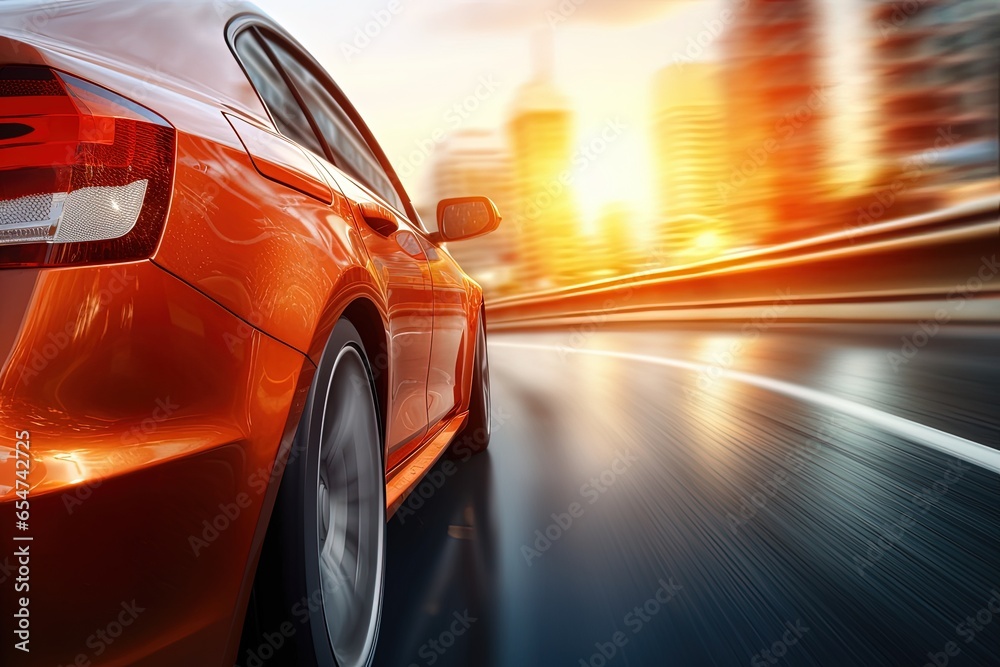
[[967, 450]]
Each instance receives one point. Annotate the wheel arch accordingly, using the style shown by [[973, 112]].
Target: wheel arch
[[366, 318]]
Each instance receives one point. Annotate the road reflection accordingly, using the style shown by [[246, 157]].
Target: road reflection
[[631, 513], [440, 605]]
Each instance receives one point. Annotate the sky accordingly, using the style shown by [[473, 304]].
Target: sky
[[406, 64]]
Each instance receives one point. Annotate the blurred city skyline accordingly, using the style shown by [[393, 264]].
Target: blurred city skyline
[[431, 56], [624, 136]]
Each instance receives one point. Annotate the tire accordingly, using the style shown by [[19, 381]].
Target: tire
[[474, 438], [323, 565]]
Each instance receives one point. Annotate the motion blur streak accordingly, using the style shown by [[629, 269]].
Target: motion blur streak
[[770, 510], [967, 450]]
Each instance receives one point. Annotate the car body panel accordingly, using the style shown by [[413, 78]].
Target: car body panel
[[133, 452]]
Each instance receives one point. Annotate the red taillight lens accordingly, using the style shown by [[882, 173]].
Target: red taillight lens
[[85, 174]]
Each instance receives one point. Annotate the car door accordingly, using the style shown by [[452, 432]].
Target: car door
[[396, 253], [451, 334], [399, 259]]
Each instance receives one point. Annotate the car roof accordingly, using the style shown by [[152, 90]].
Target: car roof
[[179, 44]]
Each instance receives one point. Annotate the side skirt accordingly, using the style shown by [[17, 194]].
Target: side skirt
[[402, 479]]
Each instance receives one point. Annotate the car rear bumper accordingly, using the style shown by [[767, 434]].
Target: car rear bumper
[[153, 418]]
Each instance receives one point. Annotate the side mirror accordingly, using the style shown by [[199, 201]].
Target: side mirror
[[466, 217]]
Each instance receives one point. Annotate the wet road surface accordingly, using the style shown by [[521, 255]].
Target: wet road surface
[[812, 496]]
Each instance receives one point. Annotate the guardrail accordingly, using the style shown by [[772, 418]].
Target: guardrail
[[905, 269]]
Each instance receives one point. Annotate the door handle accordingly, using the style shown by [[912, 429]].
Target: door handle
[[379, 218]]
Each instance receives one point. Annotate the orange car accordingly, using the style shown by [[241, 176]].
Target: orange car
[[230, 346]]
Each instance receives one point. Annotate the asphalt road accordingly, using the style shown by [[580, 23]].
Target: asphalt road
[[802, 496]]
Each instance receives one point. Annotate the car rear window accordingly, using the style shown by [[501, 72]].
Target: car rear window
[[288, 116]]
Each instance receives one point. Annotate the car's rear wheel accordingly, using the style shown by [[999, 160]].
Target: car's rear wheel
[[327, 551]]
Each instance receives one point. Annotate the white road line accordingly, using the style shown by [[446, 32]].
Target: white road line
[[967, 450]]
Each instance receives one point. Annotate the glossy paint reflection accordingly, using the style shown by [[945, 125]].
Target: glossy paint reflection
[[135, 452], [399, 261], [452, 346]]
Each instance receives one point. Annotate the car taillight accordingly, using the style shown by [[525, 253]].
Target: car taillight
[[85, 174]]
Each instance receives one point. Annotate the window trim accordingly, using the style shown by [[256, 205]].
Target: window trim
[[261, 27], [334, 153], [269, 113], [290, 84]]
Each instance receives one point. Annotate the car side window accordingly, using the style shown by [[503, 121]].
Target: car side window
[[288, 116], [350, 151]]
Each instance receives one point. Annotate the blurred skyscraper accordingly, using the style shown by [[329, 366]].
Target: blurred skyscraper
[[809, 120], [540, 129], [777, 186], [477, 162], [612, 247], [936, 65], [690, 160]]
